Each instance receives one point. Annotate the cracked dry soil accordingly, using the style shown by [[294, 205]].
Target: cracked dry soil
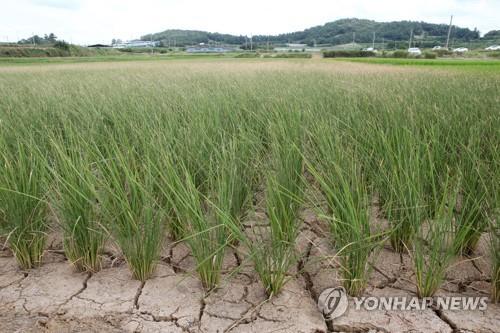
[[55, 298]]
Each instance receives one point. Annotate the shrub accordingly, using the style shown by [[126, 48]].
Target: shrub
[[348, 54], [60, 44], [288, 55], [400, 54], [430, 55], [248, 55], [493, 54], [443, 52]]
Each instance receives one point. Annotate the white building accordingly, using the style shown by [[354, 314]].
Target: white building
[[135, 43]]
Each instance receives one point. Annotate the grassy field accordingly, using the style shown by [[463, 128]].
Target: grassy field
[[463, 64], [109, 58], [134, 152]]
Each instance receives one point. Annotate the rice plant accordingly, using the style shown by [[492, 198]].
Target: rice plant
[[338, 172], [400, 182], [23, 181], [233, 177], [205, 236], [472, 215], [274, 251], [495, 258], [75, 200], [494, 223], [436, 245], [130, 209]]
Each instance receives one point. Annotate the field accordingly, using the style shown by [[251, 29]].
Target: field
[[457, 64], [208, 194]]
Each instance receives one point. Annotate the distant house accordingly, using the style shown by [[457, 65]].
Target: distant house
[[295, 46], [135, 43], [202, 48]]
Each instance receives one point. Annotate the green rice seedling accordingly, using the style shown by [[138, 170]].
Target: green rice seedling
[[233, 177], [75, 201], [274, 251], [400, 182], [131, 210], [495, 258], [436, 247], [494, 222], [471, 218], [205, 236], [337, 170], [23, 179]]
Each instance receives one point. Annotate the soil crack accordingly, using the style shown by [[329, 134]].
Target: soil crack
[[447, 320], [138, 294], [81, 290]]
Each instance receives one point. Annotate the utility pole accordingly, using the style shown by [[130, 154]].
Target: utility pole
[[354, 37], [152, 45], [251, 42], [383, 43], [373, 42], [411, 37], [449, 32]]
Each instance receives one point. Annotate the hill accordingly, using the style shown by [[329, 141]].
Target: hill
[[333, 33]]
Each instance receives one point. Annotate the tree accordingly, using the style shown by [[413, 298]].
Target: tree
[[493, 34], [52, 38]]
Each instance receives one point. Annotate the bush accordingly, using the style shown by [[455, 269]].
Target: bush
[[60, 44], [73, 50], [248, 55], [494, 54], [443, 52], [288, 55], [430, 55], [348, 54], [400, 54]]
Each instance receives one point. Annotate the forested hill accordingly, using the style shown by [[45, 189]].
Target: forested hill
[[337, 32]]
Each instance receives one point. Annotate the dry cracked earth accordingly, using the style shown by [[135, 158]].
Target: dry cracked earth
[[55, 298]]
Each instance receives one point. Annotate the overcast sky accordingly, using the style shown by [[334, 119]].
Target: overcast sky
[[98, 21]]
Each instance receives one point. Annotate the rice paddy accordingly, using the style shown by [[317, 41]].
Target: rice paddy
[[222, 155]]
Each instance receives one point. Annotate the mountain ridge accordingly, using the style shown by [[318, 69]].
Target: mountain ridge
[[333, 33]]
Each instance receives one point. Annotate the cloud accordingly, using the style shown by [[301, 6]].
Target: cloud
[[92, 21], [62, 4]]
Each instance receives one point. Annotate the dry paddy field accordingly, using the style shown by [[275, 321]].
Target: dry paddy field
[[225, 195]]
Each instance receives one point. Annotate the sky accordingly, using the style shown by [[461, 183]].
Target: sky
[[98, 21]]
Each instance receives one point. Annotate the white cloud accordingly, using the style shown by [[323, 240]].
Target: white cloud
[[92, 21], [64, 4]]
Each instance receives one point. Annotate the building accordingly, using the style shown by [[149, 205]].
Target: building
[[135, 43], [209, 49]]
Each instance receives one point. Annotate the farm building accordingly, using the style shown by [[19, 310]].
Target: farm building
[[209, 49], [135, 43]]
